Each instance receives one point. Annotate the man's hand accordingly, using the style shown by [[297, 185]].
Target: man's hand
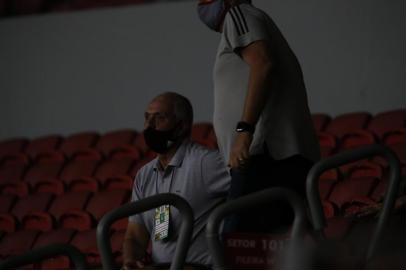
[[239, 155]]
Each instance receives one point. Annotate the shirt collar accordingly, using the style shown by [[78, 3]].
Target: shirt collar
[[177, 159]]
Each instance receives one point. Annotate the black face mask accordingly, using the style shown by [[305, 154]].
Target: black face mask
[[159, 140]]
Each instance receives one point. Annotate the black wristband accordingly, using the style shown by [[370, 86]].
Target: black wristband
[[245, 127]]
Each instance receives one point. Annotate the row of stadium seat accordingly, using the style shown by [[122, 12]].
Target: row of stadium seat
[[46, 199]]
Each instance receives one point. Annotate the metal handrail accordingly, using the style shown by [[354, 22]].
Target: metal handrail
[[78, 259], [244, 203], [312, 187], [185, 232]]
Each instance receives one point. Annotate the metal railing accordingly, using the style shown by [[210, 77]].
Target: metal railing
[[243, 204], [46, 252], [185, 232], [312, 188]]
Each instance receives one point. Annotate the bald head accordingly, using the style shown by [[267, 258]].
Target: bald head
[[180, 107]]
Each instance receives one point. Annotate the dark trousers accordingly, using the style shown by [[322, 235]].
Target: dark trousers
[[260, 173]]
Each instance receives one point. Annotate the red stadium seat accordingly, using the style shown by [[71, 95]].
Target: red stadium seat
[[328, 144], [385, 122], [352, 188], [200, 131], [60, 236], [346, 123], [126, 152], [118, 182], [395, 136], [115, 139], [330, 209], [362, 168], [84, 184], [43, 144], [139, 142], [38, 221], [77, 168], [31, 203], [43, 172], [20, 189], [320, 121], [78, 141], [17, 242], [13, 172], [50, 157], [12, 146], [79, 220], [112, 168], [365, 169], [105, 201], [87, 154], [55, 187], [69, 201], [85, 241], [356, 139], [8, 223], [6, 203]]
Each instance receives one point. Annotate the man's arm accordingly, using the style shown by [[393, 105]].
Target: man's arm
[[258, 56], [135, 245]]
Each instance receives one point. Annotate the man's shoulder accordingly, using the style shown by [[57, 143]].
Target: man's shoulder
[[146, 169], [197, 150], [197, 153]]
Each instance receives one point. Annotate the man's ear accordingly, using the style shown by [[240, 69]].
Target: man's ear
[[180, 129]]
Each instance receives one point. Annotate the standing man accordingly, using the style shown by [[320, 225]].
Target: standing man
[[261, 116], [194, 172]]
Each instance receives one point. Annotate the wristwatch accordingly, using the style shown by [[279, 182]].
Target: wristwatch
[[244, 127]]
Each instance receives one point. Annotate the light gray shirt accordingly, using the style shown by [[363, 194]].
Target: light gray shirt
[[285, 124], [195, 173]]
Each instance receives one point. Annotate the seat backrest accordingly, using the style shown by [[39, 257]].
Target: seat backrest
[[43, 172], [78, 168], [104, 201], [115, 139], [35, 202], [384, 122], [348, 122], [78, 141], [42, 144], [69, 201]]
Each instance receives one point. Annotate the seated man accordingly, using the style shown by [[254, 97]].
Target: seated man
[[182, 167]]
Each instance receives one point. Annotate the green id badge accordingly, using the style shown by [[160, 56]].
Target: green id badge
[[161, 222]]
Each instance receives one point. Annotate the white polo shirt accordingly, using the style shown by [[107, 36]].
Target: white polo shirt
[[285, 124], [197, 174]]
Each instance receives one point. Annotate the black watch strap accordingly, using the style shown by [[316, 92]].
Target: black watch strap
[[244, 127]]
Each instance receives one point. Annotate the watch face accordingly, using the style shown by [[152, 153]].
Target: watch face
[[243, 126]]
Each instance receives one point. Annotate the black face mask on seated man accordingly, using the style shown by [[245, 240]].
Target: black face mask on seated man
[[160, 141]]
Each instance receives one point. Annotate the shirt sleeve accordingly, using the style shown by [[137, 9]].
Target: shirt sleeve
[[242, 26], [215, 174], [135, 196]]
